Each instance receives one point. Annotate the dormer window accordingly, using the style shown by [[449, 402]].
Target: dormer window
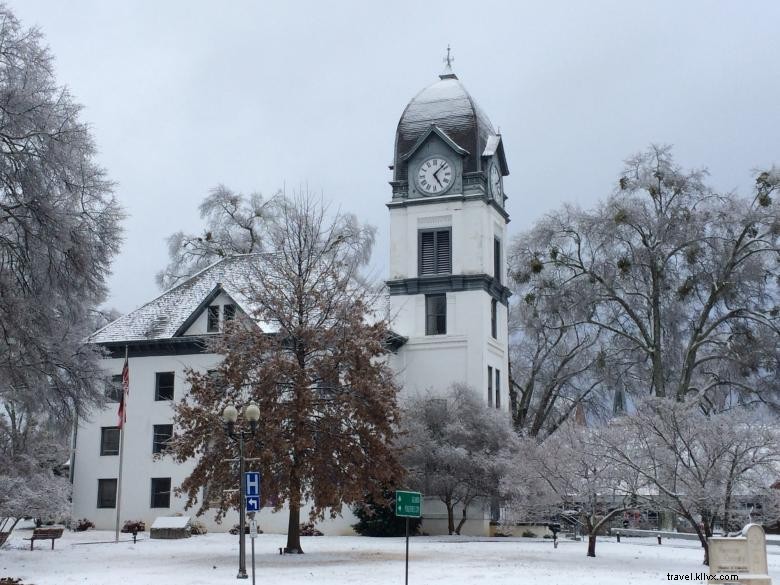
[[212, 319], [229, 312]]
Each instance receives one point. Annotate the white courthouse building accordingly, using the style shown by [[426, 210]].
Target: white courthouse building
[[448, 303]]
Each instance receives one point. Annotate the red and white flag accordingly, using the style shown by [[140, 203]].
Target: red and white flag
[[122, 412]]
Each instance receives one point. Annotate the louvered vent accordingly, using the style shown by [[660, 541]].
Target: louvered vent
[[443, 254], [427, 253], [435, 252]]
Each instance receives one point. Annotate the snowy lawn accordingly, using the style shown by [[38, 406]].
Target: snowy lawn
[[212, 559]]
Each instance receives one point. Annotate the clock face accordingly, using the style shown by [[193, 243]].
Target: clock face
[[495, 182], [435, 175]]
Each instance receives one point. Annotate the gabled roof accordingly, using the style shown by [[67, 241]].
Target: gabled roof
[[434, 129], [163, 321], [170, 314], [495, 145]]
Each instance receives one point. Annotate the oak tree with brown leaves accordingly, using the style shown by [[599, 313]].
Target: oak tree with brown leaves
[[310, 355]]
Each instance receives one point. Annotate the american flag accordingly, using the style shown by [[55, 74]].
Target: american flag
[[122, 412]]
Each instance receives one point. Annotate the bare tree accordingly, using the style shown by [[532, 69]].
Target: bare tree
[[311, 356], [570, 473], [699, 466], [680, 281], [557, 364], [457, 449], [33, 448], [235, 224], [59, 230]]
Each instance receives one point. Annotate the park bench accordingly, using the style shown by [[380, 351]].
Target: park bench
[[45, 534]]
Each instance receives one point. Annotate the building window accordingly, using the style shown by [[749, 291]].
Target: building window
[[113, 391], [161, 492], [212, 319], [435, 314], [498, 389], [435, 252], [162, 436], [229, 312], [109, 440], [497, 259], [106, 493], [494, 318], [490, 386], [163, 388]]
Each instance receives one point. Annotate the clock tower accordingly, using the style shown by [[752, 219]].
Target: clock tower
[[447, 245]]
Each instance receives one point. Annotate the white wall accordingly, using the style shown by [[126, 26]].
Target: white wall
[[474, 224], [139, 465], [465, 352]]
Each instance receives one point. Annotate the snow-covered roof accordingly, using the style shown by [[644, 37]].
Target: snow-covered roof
[[447, 105], [492, 145], [165, 316]]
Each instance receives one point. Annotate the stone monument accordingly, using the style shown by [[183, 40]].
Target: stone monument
[[742, 555]]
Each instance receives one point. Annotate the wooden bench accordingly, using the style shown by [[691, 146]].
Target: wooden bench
[[45, 534]]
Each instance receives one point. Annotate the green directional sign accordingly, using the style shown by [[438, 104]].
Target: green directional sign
[[408, 504]]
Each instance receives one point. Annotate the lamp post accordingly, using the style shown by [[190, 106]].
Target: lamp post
[[229, 417]]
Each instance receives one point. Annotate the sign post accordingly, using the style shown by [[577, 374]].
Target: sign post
[[253, 535], [251, 503], [408, 505]]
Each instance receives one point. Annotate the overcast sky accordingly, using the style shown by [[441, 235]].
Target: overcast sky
[[182, 96]]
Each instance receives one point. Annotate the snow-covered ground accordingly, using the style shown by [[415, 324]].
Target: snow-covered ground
[[212, 559]]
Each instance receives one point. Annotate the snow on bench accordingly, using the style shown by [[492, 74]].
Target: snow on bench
[[170, 527]]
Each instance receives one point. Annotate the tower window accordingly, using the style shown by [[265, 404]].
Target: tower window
[[212, 319], [490, 385], [497, 259], [435, 314], [435, 252], [498, 389], [494, 318]]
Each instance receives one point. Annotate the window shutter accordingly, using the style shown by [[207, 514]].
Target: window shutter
[[427, 257], [443, 253]]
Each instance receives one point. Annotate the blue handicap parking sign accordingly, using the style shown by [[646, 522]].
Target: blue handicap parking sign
[[252, 503]]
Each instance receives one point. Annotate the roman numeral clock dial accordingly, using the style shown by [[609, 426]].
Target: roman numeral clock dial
[[434, 176]]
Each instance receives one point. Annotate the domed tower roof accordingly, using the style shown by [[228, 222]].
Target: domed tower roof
[[448, 106]]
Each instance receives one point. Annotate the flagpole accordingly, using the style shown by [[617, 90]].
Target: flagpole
[[119, 481], [121, 450]]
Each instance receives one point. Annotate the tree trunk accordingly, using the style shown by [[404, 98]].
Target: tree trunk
[[659, 382], [463, 518], [450, 516], [294, 530], [592, 528], [702, 537], [592, 545], [294, 523]]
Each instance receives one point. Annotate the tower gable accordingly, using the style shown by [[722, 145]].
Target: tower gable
[[435, 143]]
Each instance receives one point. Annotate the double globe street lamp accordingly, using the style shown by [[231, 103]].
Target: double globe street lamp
[[229, 417]]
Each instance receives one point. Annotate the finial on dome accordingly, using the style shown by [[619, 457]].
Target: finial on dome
[[448, 61]]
